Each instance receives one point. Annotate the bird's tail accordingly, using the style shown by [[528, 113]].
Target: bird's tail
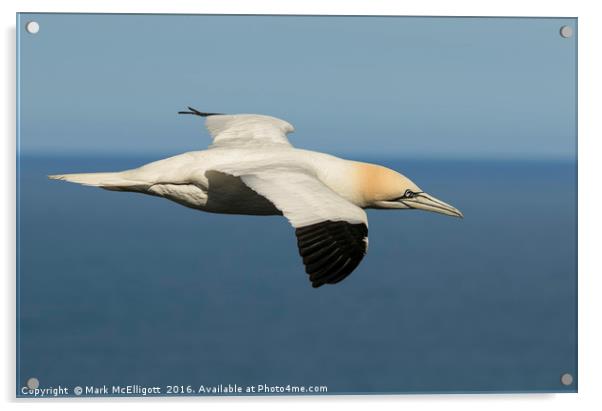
[[118, 181]]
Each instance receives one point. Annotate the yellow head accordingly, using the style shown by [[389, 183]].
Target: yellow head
[[381, 187]]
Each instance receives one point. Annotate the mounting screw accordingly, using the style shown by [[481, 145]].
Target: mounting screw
[[32, 27], [566, 379], [33, 383], [566, 31]]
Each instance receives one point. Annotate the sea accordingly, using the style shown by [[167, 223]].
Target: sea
[[123, 289]]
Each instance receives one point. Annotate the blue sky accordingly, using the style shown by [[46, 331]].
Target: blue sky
[[357, 86]]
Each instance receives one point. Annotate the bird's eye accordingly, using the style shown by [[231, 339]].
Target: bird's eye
[[406, 194]]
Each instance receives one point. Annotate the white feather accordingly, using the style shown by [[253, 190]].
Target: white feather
[[299, 195], [247, 129]]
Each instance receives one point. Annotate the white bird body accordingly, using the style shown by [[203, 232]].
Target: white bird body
[[252, 169]]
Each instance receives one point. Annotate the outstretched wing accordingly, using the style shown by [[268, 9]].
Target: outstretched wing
[[244, 129], [332, 233]]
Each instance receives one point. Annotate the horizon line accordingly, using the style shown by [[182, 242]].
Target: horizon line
[[350, 155]]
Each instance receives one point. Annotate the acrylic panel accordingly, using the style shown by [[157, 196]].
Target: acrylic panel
[[243, 266]]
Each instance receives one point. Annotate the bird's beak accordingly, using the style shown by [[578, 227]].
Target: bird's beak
[[424, 201]]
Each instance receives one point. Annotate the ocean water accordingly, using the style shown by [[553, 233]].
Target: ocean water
[[122, 289]]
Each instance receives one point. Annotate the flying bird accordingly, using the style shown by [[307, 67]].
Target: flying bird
[[251, 168]]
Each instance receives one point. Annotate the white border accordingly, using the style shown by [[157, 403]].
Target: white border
[[590, 175]]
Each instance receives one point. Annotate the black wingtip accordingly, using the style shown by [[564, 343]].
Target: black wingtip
[[195, 112]]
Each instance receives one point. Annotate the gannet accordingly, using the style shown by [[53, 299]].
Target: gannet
[[251, 168]]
